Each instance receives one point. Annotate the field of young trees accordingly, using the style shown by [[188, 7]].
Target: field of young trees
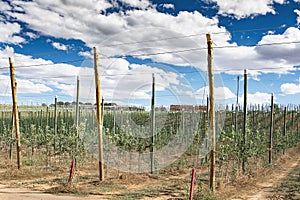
[[95, 149], [50, 140]]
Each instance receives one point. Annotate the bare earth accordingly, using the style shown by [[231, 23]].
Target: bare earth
[[281, 181], [7, 193]]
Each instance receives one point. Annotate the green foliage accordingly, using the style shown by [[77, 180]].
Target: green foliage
[[130, 130], [204, 194]]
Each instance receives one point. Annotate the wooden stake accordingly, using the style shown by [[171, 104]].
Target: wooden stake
[[55, 124], [99, 116], [77, 120], [244, 159], [271, 130], [284, 130], [11, 145], [15, 111], [192, 184], [236, 105], [212, 128], [152, 125]]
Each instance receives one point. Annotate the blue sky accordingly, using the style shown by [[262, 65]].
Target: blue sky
[[51, 43]]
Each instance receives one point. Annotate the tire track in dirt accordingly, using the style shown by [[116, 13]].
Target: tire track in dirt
[[265, 189]]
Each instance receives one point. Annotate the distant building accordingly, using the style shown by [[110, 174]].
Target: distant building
[[125, 108], [174, 108]]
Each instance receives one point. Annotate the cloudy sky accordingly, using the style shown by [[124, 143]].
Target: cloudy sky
[[51, 43]]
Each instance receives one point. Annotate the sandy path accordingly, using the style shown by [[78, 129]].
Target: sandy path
[[7, 193], [264, 189]]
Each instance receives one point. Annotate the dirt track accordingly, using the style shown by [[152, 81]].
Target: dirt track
[[282, 183], [7, 193], [279, 182]]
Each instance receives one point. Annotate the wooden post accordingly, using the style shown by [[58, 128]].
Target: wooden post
[[237, 104], [271, 129], [47, 116], [77, 113], [99, 116], [102, 111], [77, 119], [212, 177], [15, 111], [232, 116], [55, 124], [284, 130], [152, 125], [244, 160], [11, 145], [41, 118], [292, 129]]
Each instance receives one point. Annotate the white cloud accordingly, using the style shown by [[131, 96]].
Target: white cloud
[[222, 94], [32, 35], [168, 6], [298, 13], [74, 19], [257, 98], [26, 87], [283, 54], [23, 86], [244, 8], [36, 76], [8, 33], [290, 88], [59, 46], [125, 83], [86, 54], [143, 4], [4, 6]]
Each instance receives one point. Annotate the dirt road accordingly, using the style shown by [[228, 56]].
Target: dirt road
[[7, 193], [282, 183]]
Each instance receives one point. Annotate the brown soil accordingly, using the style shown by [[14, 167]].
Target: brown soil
[[280, 181]]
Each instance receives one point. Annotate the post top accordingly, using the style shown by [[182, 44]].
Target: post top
[[208, 37]]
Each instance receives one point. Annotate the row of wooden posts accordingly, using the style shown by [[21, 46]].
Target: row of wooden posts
[[100, 112]]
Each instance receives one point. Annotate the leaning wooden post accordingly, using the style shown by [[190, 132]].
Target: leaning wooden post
[[99, 116], [271, 129], [244, 159], [212, 129], [15, 111]]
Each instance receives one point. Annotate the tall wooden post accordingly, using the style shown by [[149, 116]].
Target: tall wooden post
[[55, 125], [212, 128], [11, 145], [15, 111], [237, 104], [152, 124], [77, 118], [245, 121], [284, 130], [99, 116], [271, 129]]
